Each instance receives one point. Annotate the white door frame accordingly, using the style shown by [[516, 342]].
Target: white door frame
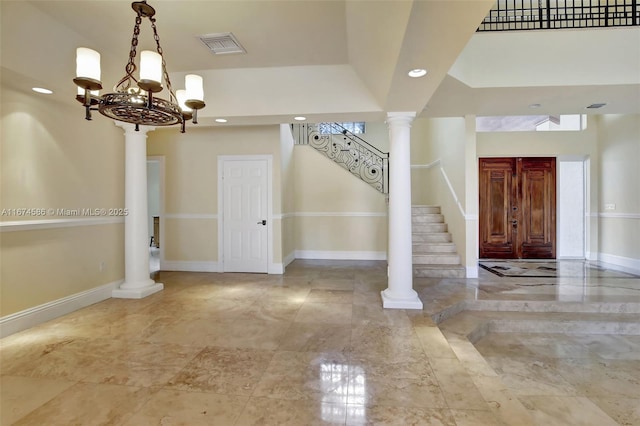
[[221, 160], [160, 160]]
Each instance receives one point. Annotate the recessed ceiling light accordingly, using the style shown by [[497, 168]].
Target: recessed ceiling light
[[535, 106], [418, 72], [300, 118], [596, 106], [42, 90], [221, 120]]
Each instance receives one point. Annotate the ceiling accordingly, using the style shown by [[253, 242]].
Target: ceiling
[[325, 59]]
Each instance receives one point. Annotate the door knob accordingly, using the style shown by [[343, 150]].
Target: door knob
[[262, 222], [514, 222]]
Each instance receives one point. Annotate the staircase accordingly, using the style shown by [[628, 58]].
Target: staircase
[[348, 150], [434, 255]]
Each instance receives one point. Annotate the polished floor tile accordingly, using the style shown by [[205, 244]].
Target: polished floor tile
[[315, 347], [223, 371], [171, 407]]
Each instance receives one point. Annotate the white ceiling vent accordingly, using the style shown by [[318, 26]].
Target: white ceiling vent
[[222, 43]]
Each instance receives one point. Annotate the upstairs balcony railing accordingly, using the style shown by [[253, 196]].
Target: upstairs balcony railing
[[347, 150], [559, 14]]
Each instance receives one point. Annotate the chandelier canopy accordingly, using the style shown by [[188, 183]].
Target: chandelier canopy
[[133, 100]]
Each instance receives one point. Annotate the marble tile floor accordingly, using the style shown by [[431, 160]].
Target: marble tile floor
[[314, 346]]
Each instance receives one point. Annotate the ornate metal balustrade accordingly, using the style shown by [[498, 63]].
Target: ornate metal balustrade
[[557, 14], [348, 150]]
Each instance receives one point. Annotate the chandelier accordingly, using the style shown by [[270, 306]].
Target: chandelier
[[133, 100]]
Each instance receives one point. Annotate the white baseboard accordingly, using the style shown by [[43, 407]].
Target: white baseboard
[[625, 264], [340, 255], [275, 269], [472, 271], [190, 266], [38, 314], [289, 258]]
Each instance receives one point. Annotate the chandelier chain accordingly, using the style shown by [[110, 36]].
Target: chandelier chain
[[156, 37], [125, 83]]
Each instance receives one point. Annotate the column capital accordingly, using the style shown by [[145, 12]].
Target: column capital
[[400, 118]]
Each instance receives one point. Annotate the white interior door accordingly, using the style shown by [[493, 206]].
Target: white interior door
[[245, 220]]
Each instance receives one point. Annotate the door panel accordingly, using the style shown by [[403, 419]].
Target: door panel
[[538, 228], [517, 208], [245, 207], [496, 193]]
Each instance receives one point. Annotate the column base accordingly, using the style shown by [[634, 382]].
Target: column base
[[411, 302], [136, 292]]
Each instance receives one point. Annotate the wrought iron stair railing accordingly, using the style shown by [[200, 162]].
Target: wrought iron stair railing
[[558, 14], [347, 150]]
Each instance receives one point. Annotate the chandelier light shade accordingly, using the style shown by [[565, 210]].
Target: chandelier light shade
[[187, 113], [133, 100], [193, 84], [151, 67], [195, 94], [87, 63], [181, 94]]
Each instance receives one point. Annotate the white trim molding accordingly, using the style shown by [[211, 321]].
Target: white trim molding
[[38, 314], [33, 225], [275, 269], [340, 255], [617, 215], [340, 214], [289, 258], [190, 266], [190, 216], [625, 264]]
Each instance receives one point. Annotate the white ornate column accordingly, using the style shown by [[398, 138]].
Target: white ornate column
[[400, 293], [137, 282]]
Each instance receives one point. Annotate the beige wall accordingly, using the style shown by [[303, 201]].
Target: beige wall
[[619, 184], [54, 159], [442, 140], [288, 194], [191, 184], [335, 211]]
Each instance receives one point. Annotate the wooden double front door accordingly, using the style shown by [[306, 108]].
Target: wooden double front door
[[518, 208]]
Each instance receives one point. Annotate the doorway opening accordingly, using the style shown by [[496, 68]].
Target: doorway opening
[[517, 208], [155, 166]]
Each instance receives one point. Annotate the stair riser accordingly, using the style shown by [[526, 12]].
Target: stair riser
[[436, 259], [429, 218], [435, 237], [438, 273], [427, 228], [425, 210], [434, 248]]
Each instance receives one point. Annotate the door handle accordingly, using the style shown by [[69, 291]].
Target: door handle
[[262, 222], [514, 223]]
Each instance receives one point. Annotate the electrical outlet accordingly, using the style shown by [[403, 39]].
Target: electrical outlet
[[610, 206]]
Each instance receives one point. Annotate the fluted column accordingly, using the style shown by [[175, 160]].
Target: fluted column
[[400, 293], [137, 282]]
